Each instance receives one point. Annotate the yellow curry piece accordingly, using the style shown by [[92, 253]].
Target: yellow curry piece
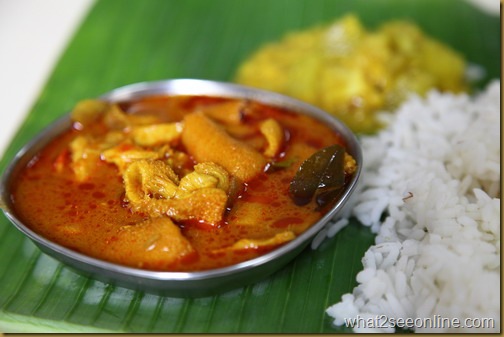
[[353, 73]]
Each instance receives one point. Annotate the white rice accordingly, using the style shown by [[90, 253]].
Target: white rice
[[435, 174]]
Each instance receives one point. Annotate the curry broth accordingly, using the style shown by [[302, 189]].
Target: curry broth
[[88, 216]]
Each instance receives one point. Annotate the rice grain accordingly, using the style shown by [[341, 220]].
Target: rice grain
[[430, 190]]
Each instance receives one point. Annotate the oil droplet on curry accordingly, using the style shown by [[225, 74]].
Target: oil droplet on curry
[[175, 183]]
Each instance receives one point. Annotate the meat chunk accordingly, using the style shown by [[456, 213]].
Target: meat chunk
[[87, 111], [152, 187], [204, 175], [152, 244], [206, 141], [85, 154], [116, 119], [270, 242], [125, 153], [226, 112], [274, 134]]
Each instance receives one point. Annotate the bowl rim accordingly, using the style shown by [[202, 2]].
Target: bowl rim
[[184, 87]]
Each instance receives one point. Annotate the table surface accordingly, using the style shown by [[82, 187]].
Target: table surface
[[33, 34]]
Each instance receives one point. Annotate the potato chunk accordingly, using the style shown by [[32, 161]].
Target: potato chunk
[[152, 244], [354, 73], [206, 141]]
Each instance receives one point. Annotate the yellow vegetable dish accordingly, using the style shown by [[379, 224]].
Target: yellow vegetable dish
[[353, 73]]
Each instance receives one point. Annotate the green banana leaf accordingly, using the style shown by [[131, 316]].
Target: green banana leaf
[[122, 42]]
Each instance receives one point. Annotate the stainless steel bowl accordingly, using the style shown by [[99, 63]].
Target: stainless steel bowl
[[180, 284]]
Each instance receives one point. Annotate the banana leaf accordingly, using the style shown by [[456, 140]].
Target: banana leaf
[[127, 41]]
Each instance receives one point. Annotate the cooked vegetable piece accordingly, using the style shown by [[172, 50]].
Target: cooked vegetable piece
[[206, 141], [352, 72], [323, 171]]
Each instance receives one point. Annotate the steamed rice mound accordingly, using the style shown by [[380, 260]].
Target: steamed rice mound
[[430, 189]]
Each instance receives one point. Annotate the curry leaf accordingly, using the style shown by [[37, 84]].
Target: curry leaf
[[323, 171]]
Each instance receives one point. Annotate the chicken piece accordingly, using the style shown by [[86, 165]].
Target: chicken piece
[[206, 141], [158, 105], [152, 244], [116, 119], [87, 111], [205, 204], [112, 138], [156, 134], [152, 187], [274, 134], [125, 153], [179, 161], [147, 179], [245, 244], [204, 175], [242, 131], [85, 155], [227, 112]]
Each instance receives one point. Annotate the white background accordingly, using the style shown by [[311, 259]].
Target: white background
[[33, 34]]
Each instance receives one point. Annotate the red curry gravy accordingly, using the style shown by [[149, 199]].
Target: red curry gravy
[[93, 215]]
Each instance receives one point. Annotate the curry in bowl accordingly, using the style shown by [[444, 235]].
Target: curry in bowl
[[182, 182]]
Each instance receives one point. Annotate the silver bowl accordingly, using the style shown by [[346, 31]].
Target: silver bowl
[[180, 284]]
